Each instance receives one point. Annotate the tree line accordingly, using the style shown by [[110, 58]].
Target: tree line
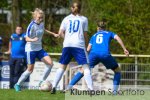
[[128, 18]]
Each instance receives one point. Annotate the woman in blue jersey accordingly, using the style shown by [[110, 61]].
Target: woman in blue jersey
[[34, 48], [99, 51]]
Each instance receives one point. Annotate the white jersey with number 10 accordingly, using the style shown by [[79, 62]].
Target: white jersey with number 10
[[74, 27]]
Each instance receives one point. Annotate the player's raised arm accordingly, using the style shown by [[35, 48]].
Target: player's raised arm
[[85, 28], [90, 44], [89, 47], [62, 28], [61, 33], [52, 33], [31, 40], [119, 40], [86, 39]]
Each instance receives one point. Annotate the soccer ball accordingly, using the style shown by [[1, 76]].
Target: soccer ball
[[45, 86]]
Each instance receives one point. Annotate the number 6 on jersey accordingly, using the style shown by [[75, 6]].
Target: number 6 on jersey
[[99, 38]]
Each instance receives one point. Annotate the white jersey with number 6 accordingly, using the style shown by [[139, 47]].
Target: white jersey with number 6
[[74, 27]]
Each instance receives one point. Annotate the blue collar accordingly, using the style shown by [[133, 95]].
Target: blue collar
[[35, 22]]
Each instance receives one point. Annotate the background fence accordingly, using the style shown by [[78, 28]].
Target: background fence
[[135, 75]]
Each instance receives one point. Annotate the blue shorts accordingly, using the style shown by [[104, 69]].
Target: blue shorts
[[107, 60], [32, 55], [80, 55]]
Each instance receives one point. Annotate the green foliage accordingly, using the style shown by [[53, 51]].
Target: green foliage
[[128, 18], [3, 4]]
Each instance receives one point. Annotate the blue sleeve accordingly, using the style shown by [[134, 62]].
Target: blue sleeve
[[29, 29], [1, 40], [11, 37], [112, 35], [24, 34]]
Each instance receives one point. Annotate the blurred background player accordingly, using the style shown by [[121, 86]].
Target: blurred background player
[[99, 51], [1, 54], [17, 60], [1, 44], [74, 28], [34, 49]]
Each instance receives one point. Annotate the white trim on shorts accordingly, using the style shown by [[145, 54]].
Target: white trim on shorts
[[28, 58]]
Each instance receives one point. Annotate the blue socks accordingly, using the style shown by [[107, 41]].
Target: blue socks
[[75, 79], [79, 75], [116, 81]]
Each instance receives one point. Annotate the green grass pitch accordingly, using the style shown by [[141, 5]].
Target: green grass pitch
[[10, 94]]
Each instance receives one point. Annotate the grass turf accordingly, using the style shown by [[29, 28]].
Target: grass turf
[[10, 94]]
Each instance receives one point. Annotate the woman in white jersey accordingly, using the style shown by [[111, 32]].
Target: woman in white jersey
[[34, 48], [74, 28]]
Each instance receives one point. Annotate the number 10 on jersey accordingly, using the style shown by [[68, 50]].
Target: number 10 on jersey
[[74, 26]]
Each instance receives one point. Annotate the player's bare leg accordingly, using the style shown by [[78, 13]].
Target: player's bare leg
[[49, 64]]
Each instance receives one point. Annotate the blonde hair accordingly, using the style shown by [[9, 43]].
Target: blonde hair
[[37, 11]]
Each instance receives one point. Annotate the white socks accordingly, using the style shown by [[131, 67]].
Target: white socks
[[23, 77], [58, 76], [88, 77], [47, 71]]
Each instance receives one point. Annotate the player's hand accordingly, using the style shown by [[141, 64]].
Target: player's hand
[[7, 52], [35, 39], [56, 35], [126, 52]]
